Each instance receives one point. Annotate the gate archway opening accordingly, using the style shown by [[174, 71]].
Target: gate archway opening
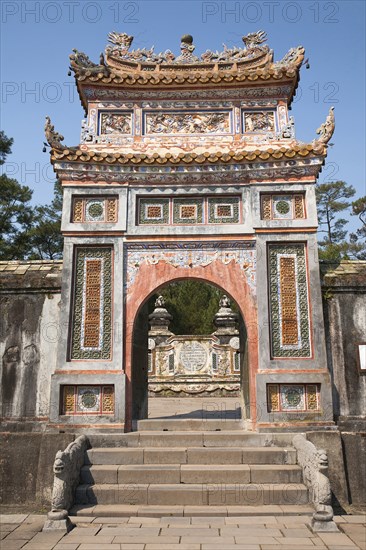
[[189, 356]]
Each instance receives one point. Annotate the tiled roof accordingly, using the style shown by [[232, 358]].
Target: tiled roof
[[315, 148], [35, 274], [344, 273]]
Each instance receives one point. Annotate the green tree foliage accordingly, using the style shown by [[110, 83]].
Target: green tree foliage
[[192, 304], [27, 232], [333, 199], [45, 236], [16, 214], [358, 238], [5, 146]]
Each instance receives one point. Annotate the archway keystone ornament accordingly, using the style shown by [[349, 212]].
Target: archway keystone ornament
[[189, 167]]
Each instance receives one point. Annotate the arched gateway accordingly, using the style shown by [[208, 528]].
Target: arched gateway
[[189, 167]]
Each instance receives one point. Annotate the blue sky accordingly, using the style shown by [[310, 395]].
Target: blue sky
[[38, 36]]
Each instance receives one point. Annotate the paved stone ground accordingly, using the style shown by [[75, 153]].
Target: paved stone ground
[[182, 533], [195, 407]]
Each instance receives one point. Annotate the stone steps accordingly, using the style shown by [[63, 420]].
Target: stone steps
[[190, 473], [191, 455], [182, 438], [198, 494], [133, 510], [190, 425], [212, 468]]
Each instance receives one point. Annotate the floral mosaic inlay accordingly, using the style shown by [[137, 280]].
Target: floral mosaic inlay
[[95, 400], [92, 319], [95, 209], [282, 207], [293, 397], [289, 310]]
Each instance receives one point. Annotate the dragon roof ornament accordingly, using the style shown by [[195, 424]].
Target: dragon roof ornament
[[254, 51], [325, 131], [255, 55], [54, 138]]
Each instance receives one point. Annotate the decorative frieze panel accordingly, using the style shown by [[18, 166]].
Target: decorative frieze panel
[[189, 210], [259, 121], [289, 308], [187, 122], [115, 123], [94, 209], [282, 207], [92, 311], [90, 400], [293, 397], [188, 255]]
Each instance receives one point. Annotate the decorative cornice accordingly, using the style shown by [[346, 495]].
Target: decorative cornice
[[270, 153]]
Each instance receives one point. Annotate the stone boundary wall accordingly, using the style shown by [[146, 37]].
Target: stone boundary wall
[[29, 301], [30, 294], [26, 474], [344, 305]]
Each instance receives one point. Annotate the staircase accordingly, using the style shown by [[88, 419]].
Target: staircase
[[179, 467]]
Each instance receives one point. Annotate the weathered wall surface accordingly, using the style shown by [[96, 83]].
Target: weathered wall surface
[[344, 304], [344, 293], [29, 302], [26, 474]]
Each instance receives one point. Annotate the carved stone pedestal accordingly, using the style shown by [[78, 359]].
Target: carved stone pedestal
[[322, 521], [58, 520]]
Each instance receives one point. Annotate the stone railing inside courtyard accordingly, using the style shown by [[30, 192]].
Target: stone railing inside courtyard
[[66, 470], [206, 365], [314, 464]]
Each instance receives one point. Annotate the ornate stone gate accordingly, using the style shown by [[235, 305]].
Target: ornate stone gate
[[189, 167]]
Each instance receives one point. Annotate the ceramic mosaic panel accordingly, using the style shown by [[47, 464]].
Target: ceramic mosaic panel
[[69, 400], [292, 397], [236, 362], [154, 211], [223, 210], [191, 122], [282, 207], [259, 121], [187, 211], [94, 400], [289, 309], [299, 207], [92, 314], [115, 123], [94, 209], [77, 210]]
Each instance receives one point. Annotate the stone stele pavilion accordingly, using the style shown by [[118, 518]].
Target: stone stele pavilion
[[189, 167]]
